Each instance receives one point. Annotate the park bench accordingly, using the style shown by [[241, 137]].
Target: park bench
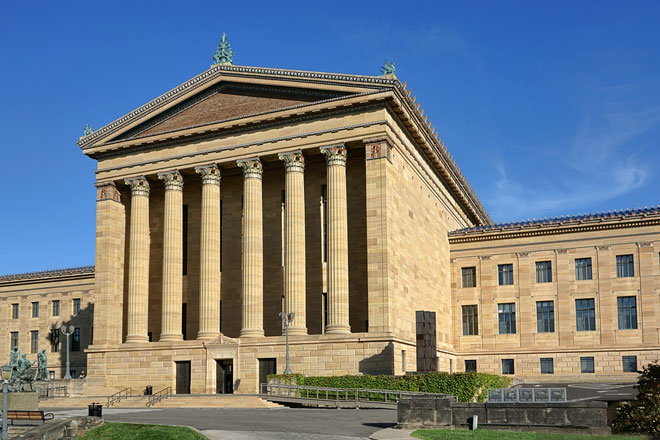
[[29, 415]]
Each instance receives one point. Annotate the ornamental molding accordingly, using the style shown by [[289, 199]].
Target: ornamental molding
[[335, 155], [210, 174], [522, 254], [294, 161], [70, 271], [139, 186], [561, 251], [173, 180], [603, 248], [645, 244], [222, 340], [484, 257], [378, 148], [252, 168], [107, 191]]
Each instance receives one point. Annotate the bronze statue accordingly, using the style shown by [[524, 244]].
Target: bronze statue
[[42, 362]]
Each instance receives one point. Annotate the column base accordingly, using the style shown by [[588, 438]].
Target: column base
[[251, 333], [170, 337], [337, 329], [293, 331], [208, 336], [131, 339]]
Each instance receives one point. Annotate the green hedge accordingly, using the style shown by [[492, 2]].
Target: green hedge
[[465, 386]]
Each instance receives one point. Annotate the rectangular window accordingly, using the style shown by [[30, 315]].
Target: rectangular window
[[624, 266], [507, 318], [582, 269], [75, 340], [587, 364], [56, 307], [470, 320], [507, 366], [630, 364], [505, 274], [471, 366], [547, 366], [627, 306], [73, 373], [34, 341], [545, 316], [13, 340], [544, 271], [76, 306], [585, 314], [35, 309], [14, 311], [54, 338], [51, 374], [184, 259], [469, 276]]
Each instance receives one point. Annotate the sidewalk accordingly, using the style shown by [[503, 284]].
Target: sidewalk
[[392, 434]]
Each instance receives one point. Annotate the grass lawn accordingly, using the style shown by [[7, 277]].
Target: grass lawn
[[441, 434], [130, 431]]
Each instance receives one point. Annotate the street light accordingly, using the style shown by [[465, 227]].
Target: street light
[[287, 318], [6, 375], [68, 333]]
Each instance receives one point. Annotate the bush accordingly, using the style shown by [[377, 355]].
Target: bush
[[465, 386], [642, 414]]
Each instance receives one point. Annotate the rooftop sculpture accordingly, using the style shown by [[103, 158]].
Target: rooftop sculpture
[[388, 68], [224, 54], [88, 130]]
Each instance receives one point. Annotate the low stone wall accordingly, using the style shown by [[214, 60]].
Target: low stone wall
[[446, 412]]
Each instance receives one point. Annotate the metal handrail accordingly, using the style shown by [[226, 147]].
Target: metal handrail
[[339, 394], [118, 396], [53, 392], [160, 395]]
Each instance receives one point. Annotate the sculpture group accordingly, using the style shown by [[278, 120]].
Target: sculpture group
[[22, 371]]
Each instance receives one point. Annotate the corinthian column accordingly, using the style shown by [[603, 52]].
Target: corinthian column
[[138, 261], [209, 277], [172, 257], [294, 266], [253, 277], [337, 240]]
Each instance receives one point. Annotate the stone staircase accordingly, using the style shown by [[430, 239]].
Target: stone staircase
[[174, 401]]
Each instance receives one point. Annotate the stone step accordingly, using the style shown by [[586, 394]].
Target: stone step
[[176, 401]]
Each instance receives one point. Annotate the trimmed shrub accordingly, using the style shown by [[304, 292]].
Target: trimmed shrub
[[465, 386], [643, 413]]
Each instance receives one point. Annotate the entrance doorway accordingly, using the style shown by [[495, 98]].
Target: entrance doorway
[[224, 376], [182, 377], [266, 366]]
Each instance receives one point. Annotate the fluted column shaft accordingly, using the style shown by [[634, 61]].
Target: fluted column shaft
[[209, 282], [294, 263], [253, 284], [338, 321], [172, 257], [138, 261]]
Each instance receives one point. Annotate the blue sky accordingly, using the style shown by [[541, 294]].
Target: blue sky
[[548, 107]]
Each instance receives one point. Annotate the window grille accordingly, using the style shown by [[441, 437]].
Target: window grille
[[469, 276], [585, 314], [547, 366], [505, 274], [582, 269], [508, 366], [507, 318], [545, 316], [544, 271], [470, 320], [624, 266], [587, 364], [627, 306]]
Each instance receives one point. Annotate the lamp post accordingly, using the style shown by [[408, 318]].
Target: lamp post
[[287, 318], [67, 332], [6, 375]]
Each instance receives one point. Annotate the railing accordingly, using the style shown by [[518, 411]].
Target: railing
[[526, 395], [53, 392], [160, 395], [118, 396], [352, 395]]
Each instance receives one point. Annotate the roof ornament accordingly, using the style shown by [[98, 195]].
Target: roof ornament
[[388, 68], [224, 54], [88, 130]]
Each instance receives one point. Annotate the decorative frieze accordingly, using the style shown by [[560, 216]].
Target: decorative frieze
[[252, 168], [378, 148], [335, 154], [602, 248], [139, 186], [173, 180], [210, 174], [293, 161], [484, 257], [645, 244], [107, 191], [561, 251], [522, 254]]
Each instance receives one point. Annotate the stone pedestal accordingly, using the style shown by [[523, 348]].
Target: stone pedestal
[[23, 401]]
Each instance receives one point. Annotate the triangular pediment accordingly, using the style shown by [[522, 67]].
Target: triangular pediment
[[224, 102]]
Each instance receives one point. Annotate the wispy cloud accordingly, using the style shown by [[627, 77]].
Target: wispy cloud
[[602, 162], [438, 38]]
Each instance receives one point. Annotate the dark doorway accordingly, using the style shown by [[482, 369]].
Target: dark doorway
[[266, 367], [224, 376], [183, 377]]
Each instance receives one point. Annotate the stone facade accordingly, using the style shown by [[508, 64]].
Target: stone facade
[[245, 193]]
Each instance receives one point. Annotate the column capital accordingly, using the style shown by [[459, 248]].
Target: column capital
[[378, 148], [252, 168], [139, 186], [210, 174], [173, 180], [294, 161], [335, 154], [107, 191]]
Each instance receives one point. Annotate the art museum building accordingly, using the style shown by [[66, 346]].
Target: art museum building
[[246, 192]]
